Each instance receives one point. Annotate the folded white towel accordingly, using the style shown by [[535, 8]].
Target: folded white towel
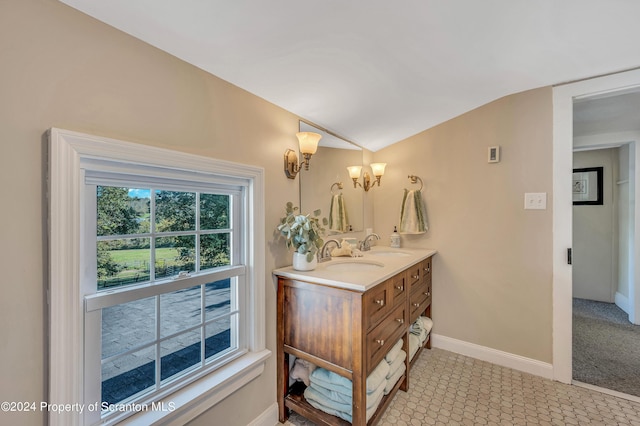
[[391, 355], [332, 381], [318, 397], [340, 401], [338, 214], [414, 345], [343, 415], [377, 376], [413, 218], [397, 363], [391, 382]]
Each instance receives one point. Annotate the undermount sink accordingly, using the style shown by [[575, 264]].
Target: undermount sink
[[390, 253], [353, 265]]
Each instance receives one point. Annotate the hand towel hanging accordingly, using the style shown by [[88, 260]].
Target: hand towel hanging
[[338, 214], [413, 219]]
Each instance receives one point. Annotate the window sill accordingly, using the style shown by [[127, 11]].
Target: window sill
[[189, 402]]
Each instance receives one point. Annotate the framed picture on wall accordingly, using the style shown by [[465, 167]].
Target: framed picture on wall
[[587, 186]]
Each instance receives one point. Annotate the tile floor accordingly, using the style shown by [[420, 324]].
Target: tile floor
[[451, 389]]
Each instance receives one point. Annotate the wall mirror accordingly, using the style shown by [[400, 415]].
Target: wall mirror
[[320, 185]]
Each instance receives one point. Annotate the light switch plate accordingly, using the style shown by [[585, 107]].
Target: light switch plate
[[535, 201]]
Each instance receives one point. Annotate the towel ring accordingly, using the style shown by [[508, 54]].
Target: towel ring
[[415, 179], [338, 184]]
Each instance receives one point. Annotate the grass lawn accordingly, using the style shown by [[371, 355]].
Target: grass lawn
[[135, 265], [138, 256]]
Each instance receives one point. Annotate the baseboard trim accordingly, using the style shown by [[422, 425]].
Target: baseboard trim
[[494, 356], [269, 417], [622, 302]]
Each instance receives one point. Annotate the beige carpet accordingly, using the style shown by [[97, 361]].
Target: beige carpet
[[606, 347]]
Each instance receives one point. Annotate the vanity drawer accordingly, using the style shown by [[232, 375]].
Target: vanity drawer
[[377, 303], [419, 301], [426, 269], [414, 276], [419, 274], [382, 338], [399, 287]]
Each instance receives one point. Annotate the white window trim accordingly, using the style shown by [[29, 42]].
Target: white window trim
[[66, 151]]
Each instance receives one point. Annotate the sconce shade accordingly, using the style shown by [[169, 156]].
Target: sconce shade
[[354, 171], [378, 168], [308, 142]]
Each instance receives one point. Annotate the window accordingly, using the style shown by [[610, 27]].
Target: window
[[159, 296]]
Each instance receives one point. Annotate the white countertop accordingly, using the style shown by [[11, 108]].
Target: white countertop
[[375, 266]]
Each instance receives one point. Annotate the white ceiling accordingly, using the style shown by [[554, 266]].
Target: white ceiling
[[378, 71]]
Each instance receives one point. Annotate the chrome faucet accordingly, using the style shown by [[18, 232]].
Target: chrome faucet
[[324, 254], [365, 245]]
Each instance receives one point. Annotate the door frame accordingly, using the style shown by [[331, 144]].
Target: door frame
[[563, 97]]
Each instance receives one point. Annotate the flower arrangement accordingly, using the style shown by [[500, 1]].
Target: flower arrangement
[[302, 232]]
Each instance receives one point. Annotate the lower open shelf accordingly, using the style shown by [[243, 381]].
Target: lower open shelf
[[295, 401]]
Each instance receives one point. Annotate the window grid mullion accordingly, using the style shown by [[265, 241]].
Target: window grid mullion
[[152, 229], [158, 373], [196, 256], [203, 334]]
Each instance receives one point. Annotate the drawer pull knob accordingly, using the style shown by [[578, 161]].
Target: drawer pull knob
[[417, 305], [427, 269], [400, 287], [428, 293], [415, 277], [380, 342], [400, 320], [380, 302]]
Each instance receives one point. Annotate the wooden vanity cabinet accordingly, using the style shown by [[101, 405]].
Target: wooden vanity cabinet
[[345, 331], [420, 292]]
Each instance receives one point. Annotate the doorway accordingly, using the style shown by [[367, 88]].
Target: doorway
[[563, 100], [606, 345]]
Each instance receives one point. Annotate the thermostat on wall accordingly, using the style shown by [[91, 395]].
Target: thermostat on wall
[[494, 154]]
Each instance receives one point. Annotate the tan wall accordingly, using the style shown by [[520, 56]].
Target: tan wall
[[595, 232], [493, 271], [63, 69]]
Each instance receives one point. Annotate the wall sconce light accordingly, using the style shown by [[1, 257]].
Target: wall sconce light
[[376, 168], [308, 146]]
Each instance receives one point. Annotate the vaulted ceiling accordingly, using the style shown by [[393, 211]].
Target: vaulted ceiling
[[379, 71]]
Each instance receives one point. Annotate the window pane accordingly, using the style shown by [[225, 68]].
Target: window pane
[[175, 211], [214, 211], [175, 254], [128, 375], [219, 337], [123, 261], [218, 298], [215, 250], [180, 354], [128, 325], [180, 310], [122, 211]]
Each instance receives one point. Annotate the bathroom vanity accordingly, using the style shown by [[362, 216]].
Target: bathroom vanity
[[344, 317]]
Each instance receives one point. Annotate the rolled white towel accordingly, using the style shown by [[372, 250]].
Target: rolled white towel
[[391, 355], [427, 323], [391, 382], [414, 345], [397, 363]]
